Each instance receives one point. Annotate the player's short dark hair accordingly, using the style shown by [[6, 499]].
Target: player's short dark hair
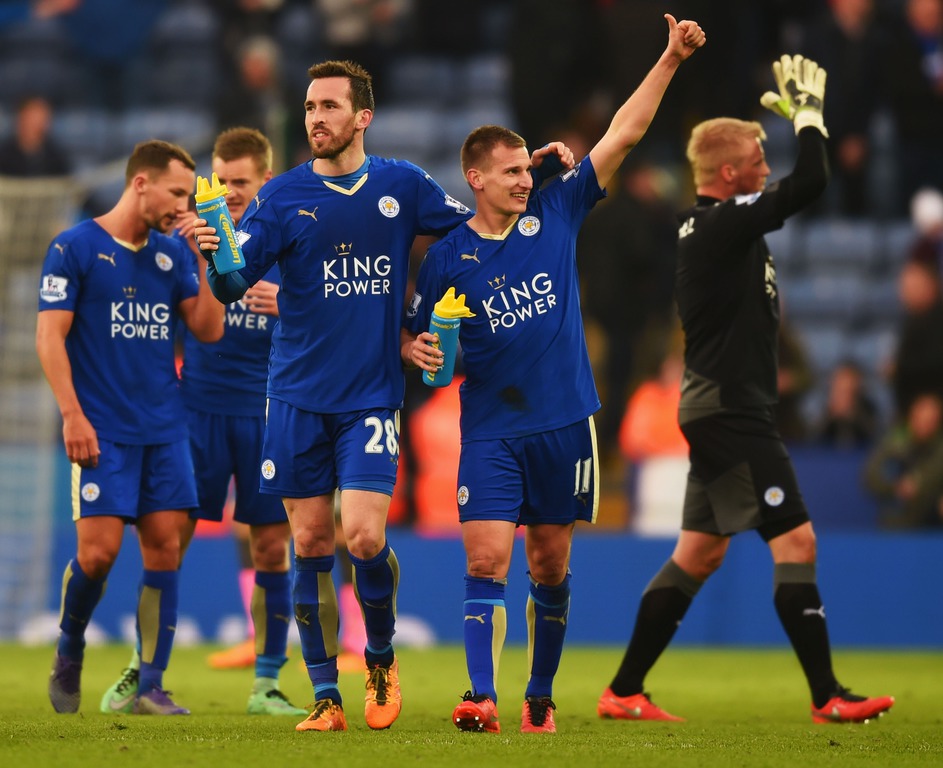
[[361, 83], [481, 142], [236, 143], [155, 155]]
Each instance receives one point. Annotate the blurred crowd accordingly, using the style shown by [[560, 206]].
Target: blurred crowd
[[245, 62]]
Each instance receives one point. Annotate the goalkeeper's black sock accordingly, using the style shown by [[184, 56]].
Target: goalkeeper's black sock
[[663, 605], [802, 615]]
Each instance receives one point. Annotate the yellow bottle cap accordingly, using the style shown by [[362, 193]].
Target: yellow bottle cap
[[204, 191], [451, 307]]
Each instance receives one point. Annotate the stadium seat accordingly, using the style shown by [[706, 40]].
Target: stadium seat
[[300, 40], [87, 135], [188, 24], [784, 245], [486, 77], [831, 297], [412, 132], [872, 349], [840, 245], [424, 79], [825, 345], [897, 236]]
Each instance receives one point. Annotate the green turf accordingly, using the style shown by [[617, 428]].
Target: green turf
[[743, 708]]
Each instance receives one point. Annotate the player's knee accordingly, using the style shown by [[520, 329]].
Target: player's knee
[[487, 565], [270, 554], [96, 560], [163, 555]]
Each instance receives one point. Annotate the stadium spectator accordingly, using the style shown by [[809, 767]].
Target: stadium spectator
[[112, 290], [905, 470], [794, 380], [912, 69], [851, 417], [368, 32], [650, 422], [627, 253], [223, 387], [106, 49], [30, 150], [741, 476], [654, 449], [340, 227], [846, 39], [917, 365], [526, 419], [14, 11], [926, 214], [254, 96]]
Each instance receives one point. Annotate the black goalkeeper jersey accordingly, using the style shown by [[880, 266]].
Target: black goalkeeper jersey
[[726, 290]]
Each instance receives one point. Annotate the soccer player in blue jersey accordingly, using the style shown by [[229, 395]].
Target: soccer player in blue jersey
[[111, 292], [528, 443], [223, 387], [340, 228]]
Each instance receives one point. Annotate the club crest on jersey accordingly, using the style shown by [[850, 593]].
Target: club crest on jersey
[[164, 262], [528, 226], [91, 492], [389, 206], [268, 469], [463, 496], [774, 496], [53, 288]]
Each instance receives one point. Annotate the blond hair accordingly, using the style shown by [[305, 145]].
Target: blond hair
[[718, 142]]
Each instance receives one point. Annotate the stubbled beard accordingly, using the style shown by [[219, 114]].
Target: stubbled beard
[[330, 152]]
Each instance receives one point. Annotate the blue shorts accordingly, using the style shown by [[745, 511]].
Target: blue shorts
[[549, 477], [310, 454], [133, 480], [224, 448]]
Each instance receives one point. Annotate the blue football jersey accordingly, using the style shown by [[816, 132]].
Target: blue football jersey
[[526, 365], [343, 255], [121, 343], [229, 376]]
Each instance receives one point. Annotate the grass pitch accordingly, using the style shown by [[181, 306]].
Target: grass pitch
[[743, 708]]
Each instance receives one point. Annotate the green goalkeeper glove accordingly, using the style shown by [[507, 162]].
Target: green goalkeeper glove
[[801, 84]]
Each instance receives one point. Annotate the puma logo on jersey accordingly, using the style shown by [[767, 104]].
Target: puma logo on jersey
[[106, 257], [60, 248], [470, 256], [302, 212], [480, 618], [687, 228]]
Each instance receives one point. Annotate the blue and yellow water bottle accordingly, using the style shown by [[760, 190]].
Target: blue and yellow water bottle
[[211, 205], [445, 323]]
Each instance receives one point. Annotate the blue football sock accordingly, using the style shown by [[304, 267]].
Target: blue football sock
[[271, 615], [375, 582], [157, 624], [485, 628], [80, 595], [547, 613], [315, 603]]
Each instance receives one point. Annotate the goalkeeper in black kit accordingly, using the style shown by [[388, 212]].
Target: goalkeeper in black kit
[[741, 476]]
